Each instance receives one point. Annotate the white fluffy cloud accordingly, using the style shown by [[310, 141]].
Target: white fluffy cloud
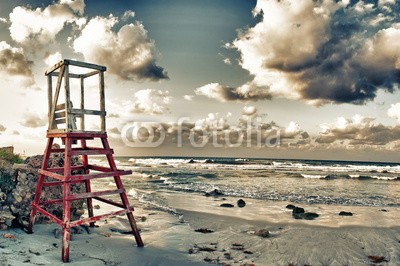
[[188, 97], [249, 110], [246, 92], [394, 111], [52, 59], [128, 53], [149, 101], [35, 28]]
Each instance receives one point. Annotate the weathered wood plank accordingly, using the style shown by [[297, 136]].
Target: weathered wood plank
[[60, 107], [61, 121], [55, 67], [79, 112], [59, 115], [90, 74], [84, 64], [102, 102], [49, 95], [71, 75], [82, 102], [52, 125]]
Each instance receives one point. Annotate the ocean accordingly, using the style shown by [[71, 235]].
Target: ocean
[[297, 181]]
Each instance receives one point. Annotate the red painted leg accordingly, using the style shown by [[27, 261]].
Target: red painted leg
[[66, 204], [39, 185], [89, 201], [123, 196]]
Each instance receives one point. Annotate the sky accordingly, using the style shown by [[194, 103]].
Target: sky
[[239, 78]]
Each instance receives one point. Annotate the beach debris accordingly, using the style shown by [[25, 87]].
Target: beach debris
[[263, 233], [105, 234], [56, 232], [343, 213], [97, 206], [228, 256], [290, 206], [384, 210], [241, 203], [236, 246], [9, 236], [121, 231], [377, 259], [215, 192], [227, 205], [204, 230], [34, 252]]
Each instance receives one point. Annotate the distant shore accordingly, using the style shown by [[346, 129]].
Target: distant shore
[[226, 236]]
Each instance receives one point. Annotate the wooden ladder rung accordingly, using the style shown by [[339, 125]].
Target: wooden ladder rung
[[99, 217], [77, 178], [91, 151], [94, 194], [51, 174]]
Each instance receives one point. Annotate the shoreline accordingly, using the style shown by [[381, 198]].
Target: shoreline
[[170, 239]]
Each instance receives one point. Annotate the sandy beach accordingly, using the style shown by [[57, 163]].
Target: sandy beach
[[371, 236]]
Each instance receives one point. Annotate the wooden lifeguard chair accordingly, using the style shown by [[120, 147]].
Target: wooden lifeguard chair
[[62, 124]]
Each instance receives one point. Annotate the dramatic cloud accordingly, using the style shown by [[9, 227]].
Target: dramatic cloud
[[34, 120], [2, 128], [246, 92], [128, 53], [149, 101], [318, 51], [37, 28], [359, 130], [14, 63]]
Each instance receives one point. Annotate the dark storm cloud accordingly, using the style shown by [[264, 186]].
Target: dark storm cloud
[[319, 51], [14, 63]]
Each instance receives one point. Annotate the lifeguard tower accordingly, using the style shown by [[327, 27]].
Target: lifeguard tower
[[62, 124]]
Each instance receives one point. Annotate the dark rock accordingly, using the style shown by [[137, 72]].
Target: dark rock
[[241, 203], [191, 161], [262, 232], [298, 210], [343, 213], [227, 205], [384, 210], [214, 193], [290, 206], [204, 230], [310, 215]]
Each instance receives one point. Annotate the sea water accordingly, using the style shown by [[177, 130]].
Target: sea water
[[297, 181]]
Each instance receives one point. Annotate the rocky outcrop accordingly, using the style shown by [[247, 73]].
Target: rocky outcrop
[[19, 184]]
